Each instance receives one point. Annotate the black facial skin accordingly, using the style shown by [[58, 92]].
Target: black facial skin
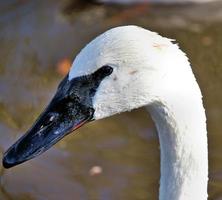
[[70, 108]]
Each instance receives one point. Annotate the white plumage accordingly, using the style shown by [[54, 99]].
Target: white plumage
[[149, 70]]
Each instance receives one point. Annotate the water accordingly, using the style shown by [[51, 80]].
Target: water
[[36, 38]]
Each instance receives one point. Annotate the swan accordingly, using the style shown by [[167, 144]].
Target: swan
[[128, 67]]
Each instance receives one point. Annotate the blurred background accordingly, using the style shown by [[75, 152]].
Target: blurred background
[[115, 158]]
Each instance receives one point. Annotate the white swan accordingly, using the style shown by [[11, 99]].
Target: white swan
[[123, 69]]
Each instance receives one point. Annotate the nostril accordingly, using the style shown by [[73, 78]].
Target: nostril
[[52, 118], [49, 119]]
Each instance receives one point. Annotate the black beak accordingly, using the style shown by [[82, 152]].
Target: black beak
[[70, 108]]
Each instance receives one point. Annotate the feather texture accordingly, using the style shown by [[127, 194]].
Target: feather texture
[[149, 70]]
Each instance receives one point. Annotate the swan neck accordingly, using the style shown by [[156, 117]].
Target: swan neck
[[183, 144]]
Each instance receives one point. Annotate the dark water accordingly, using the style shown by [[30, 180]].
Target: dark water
[[35, 37]]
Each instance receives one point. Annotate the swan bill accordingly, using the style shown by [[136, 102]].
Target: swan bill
[[70, 108]]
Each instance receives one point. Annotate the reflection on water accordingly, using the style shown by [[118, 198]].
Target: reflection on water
[[36, 37]]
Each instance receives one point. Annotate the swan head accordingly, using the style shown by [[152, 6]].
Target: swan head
[[118, 71]]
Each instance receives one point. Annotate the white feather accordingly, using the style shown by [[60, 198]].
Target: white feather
[[149, 70]]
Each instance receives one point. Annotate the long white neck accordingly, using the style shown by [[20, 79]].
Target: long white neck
[[149, 70], [181, 126]]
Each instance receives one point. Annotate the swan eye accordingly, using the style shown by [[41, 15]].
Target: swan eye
[[104, 71]]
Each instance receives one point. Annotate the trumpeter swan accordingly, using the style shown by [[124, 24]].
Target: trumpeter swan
[[125, 68]]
